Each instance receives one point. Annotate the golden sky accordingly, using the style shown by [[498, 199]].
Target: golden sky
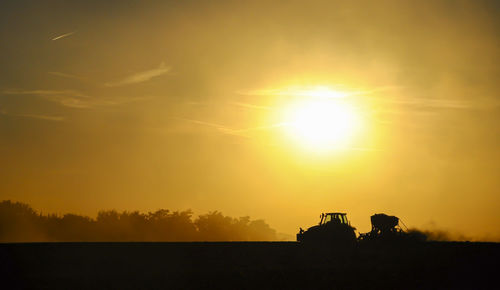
[[208, 105]]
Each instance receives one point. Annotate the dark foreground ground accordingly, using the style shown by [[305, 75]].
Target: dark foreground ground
[[248, 265]]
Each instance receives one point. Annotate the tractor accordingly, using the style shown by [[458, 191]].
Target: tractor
[[333, 229]]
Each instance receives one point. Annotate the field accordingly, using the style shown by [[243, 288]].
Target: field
[[247, 265]]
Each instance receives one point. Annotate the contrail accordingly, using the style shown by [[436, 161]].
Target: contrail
[[64, 35]]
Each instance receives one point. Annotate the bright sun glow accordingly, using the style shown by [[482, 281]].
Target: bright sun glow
[[322, 122]]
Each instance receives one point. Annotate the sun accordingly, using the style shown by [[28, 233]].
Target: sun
[[320, 122]]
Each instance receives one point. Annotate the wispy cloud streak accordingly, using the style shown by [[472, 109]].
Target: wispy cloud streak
[[220, 128], [251, 106], [67, 98], [232, 131], [427, 102], [45, 92], [75, 99], [64, 35], [35, 116], [64, 75], [141, 76]]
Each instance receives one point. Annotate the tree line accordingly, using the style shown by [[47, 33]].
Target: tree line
[[19, 222]]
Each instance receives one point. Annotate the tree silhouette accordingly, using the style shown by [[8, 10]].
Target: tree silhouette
[[20, 223]]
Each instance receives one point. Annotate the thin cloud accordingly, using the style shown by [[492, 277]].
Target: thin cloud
[[42, 117], [75, 99], [141, 76], [369, 94], [64, 35], [301, 91], [220, 128], [67, 98], [231, 131], [251, 106], [263, 128], [35, 116], [45, 92], [64, 75], [330, 91], [425, 102]]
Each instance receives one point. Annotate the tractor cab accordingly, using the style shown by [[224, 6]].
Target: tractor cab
[[333, 217]]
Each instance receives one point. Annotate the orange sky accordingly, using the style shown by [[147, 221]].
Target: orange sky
[[181, 104]]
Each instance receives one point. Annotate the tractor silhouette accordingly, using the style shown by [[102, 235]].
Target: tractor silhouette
[[333, 229]]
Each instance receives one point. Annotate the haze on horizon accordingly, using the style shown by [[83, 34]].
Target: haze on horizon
[[140, 105]]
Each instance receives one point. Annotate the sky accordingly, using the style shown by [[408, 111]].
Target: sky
[[140, 105]]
